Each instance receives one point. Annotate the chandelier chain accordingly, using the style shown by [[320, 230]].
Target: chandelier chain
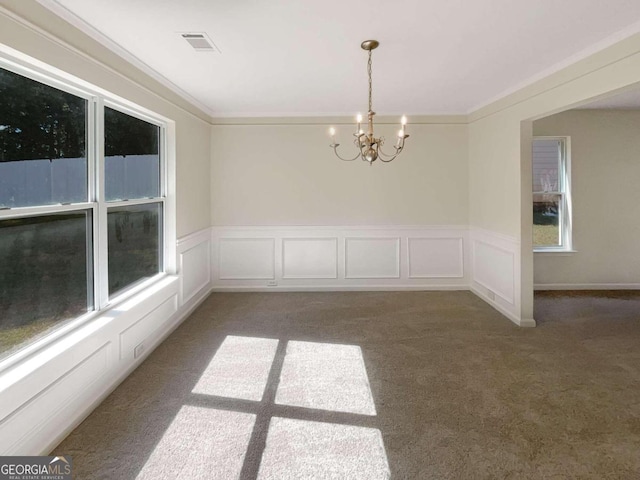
[[370, 82]]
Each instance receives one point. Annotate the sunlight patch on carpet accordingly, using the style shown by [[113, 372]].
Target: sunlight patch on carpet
[[239, 369], [326, 377], [201, 443], [298, 449]]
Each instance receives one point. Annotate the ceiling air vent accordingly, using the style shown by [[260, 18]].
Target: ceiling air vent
[[200, 42]]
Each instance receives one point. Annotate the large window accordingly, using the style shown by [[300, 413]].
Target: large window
[[82, 203], [551, 194]]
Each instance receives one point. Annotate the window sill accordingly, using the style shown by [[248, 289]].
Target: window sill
[[560, 252], [35, 355]]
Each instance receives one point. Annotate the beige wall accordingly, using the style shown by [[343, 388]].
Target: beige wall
[[286, 174], [33, 30], [605, 162], [499, 145]]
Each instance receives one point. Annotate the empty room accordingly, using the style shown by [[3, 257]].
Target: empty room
[[319, 240]]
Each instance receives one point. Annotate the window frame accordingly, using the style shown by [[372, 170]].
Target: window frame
[[565, 226], [105, 205], [97, 98]]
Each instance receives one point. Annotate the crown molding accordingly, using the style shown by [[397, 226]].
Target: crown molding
[[339, 120]]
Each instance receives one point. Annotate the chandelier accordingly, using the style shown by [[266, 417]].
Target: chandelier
[[369, 147]]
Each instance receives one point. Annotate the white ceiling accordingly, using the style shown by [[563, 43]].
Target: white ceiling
[[302, 57]]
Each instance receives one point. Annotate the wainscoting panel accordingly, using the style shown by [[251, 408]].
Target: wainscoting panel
[[194, 260], [246, 258], [496, 272], [139, 331], [372, 258], [293, 258], [494, 269], [308, 258], [41, 410], [436, 257]]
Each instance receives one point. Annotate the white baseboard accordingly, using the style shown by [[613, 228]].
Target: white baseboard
[[342, 288], [527, 322], [587, 286]]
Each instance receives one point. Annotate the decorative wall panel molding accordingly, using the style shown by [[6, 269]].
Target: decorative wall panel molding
[[340, 258], [494, 269], [308, 258], [369, 258], [41, 411], [436, 257], [495, 260], [246, 258], [139, 331], [194, 261]]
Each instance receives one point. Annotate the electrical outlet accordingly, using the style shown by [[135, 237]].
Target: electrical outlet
[[272, 283], [139, 350]]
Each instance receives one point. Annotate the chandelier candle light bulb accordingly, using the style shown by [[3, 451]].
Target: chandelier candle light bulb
[[332, 132], [369, 147]]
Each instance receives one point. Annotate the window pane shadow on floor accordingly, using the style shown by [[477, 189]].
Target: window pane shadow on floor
[[234, 431], [221, 428]]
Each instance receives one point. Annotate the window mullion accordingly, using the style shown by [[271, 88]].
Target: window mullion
[[102, 260], [92, 231], [164, 188], [91, 150]]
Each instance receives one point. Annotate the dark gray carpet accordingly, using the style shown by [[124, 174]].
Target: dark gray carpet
[[459, 391]]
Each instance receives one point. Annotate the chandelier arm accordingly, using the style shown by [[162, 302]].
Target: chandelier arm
[[335, 150], [382, 153], [390, 158], [394, 155]]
